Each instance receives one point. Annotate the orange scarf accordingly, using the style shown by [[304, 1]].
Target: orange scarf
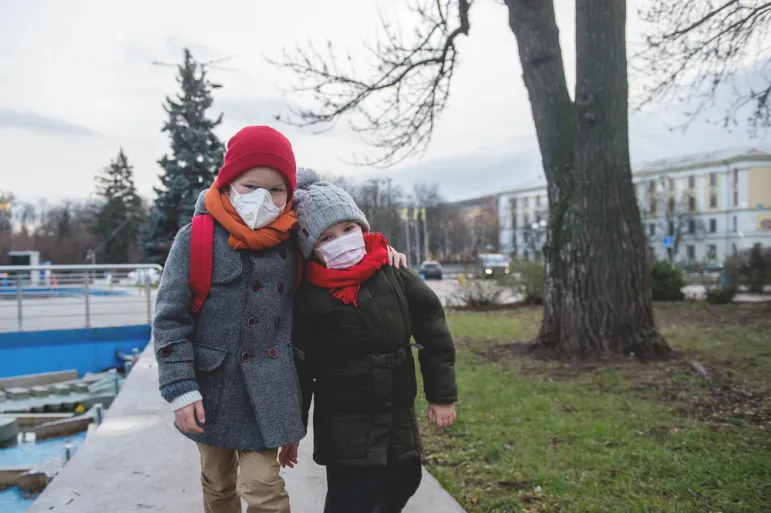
[[241, 236]]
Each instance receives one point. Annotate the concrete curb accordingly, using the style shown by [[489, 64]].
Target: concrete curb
[[136, 461]]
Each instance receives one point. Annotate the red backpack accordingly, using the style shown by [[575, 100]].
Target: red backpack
[[201, 260]]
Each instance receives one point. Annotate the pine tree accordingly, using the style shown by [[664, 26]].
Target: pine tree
[[119, 214], [196, 155]]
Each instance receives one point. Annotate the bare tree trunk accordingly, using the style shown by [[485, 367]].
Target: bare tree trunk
[[597, 295]]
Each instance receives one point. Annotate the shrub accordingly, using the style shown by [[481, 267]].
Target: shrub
[[721, 295], [527, 280], [478, 294], [666, 282], [755, 268]]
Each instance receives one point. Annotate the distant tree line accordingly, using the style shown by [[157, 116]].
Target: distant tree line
[[115, 225]]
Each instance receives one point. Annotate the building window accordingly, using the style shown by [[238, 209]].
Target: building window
[[537, 202], [652, 186], [691, 182], [652, 229], [736, 224], [671, 228], [713, 200], [736, 197], [691, 204], [711, 252], [671, 206], [652, 207], [736, 177], [671, 184], [733, 249], [525, 203], [713, 179], [690, 252], [691, 226], [713, 225], [526, 220]]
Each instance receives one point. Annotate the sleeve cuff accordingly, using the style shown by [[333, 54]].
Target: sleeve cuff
[[186, 400]]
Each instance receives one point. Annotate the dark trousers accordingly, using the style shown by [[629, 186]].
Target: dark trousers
[[372, 490]]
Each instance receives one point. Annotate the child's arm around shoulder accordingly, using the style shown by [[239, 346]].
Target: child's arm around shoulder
[[429, 327], [174, 327]]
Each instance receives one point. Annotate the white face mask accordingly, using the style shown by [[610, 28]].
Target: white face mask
[[344, 251], [256, 207]]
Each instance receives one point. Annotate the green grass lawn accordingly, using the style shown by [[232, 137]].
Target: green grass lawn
[[617, 437]]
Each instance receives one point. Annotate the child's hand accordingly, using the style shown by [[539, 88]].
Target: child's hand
[[287, 456], [443, 415], [395, 258], [185, 418]]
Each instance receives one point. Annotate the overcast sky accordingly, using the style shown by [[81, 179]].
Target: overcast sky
[[77, 82]]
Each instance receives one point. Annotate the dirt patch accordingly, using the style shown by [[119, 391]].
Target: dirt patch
[[713, 394]]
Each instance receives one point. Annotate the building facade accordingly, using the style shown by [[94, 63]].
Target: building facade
[[694, 209]]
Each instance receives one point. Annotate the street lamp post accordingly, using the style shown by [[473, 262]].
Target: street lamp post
[[7, 206], [538, 228]]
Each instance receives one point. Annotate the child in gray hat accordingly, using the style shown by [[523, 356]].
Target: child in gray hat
[[354, 318]]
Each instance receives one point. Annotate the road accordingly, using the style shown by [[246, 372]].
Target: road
[[70, 313]]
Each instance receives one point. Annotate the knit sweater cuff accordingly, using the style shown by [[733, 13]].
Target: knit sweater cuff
[[173, 390], [186, 400]]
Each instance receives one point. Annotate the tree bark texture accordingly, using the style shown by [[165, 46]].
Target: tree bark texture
[[598, 299]]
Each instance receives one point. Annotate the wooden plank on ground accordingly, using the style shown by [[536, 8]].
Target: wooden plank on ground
[[31, 380]]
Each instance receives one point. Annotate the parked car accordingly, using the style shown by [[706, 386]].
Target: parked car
[[491, 265], [431, 269]]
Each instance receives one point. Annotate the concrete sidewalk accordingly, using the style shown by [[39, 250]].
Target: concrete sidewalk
[[136, 461]]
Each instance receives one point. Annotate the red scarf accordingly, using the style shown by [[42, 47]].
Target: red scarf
[[344, 284]]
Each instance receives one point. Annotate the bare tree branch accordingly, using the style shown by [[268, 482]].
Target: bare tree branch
[[695, 50], [397, 106]]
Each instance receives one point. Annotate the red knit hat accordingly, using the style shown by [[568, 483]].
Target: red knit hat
[[256, 146]]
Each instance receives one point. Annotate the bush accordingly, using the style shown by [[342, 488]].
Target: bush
[[666, 282], [478, 294], [721, 295], [754, 268], [527, 280]]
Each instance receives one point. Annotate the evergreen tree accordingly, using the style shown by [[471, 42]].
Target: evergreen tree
[[196, 155], [119, 213]]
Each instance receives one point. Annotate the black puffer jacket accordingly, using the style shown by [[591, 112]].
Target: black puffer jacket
[[358, 364]]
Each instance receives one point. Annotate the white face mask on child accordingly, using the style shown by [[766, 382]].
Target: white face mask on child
[[256, 207], [344, 251]]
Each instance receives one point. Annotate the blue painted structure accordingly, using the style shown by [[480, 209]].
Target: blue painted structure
[[26, 454], [85, 350], [58, 292]]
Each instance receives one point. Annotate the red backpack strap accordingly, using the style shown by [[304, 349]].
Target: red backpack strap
[[201, 255]]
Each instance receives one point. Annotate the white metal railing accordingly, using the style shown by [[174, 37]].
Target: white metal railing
[[43, 297]]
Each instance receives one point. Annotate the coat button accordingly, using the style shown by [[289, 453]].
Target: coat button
[[281, 287], [165, 352], [246, 356], [256, 285], [251, 321], [277, 322], [273, 352], [282, 253]]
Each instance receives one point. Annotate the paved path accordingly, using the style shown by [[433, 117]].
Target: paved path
[[137, 462]]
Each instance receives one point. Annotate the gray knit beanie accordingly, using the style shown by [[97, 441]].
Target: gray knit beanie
[[320, 205]]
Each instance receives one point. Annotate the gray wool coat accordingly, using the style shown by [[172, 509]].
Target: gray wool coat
[[238, 347]]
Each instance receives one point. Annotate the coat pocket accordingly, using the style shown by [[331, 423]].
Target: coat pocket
[[343, 437], [208, 373]]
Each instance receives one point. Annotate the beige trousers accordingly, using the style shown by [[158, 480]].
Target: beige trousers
[[227, 476]]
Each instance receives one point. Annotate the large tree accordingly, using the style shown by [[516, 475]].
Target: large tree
[[708, 52], [598, 298], [119, 215], [196, 155]]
